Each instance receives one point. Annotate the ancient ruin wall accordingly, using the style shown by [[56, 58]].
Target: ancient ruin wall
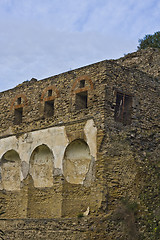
[[101, 141], [51, 129]]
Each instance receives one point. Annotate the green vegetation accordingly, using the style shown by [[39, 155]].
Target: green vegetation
[[150, 41]]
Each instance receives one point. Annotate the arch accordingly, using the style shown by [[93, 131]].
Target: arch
[[82, 87], [80, 91], [49, 93], [20, 103], [41, 166], [48, 96], [17, 105], [76, 161], [10, 170]]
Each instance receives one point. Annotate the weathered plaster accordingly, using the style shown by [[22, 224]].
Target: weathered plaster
[[11, 171], [41, 166], [54, 138], [76, 162], [91, 135], [90, 176]]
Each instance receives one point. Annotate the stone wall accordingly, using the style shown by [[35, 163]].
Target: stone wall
[[85, 139], [50, 172], [40, 140], [146, 60], [64, 87], [59, 229]]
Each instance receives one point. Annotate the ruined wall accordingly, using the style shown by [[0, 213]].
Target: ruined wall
[[146, 60], [41, 164], [85, 138], [34, 97], [44, 126], [131, 151], [60, 229], [124, 144]]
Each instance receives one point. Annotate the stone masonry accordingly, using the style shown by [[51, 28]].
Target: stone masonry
[[86, 139]]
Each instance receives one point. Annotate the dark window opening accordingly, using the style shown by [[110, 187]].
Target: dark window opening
[[82, 84], [49, 92], [19, 100], [81, 100], [18, 116], [49, 108], [123, 108]]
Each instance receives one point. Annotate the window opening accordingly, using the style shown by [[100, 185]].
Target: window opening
[[123, 108], [49, 108], [19, 100], [49, 92], [81, 100], [82, 84], [18, 116]]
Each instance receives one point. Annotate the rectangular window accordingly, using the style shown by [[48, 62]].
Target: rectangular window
[[123, 108], [49, 92], [19, 100], [49, 108], [82, 84], [81, 100], [18, 116]]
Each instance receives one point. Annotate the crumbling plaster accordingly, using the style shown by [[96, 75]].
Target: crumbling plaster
[[91, 135], [76, 162], [55, 138]]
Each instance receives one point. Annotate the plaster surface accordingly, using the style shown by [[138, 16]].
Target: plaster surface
[[46, 153]]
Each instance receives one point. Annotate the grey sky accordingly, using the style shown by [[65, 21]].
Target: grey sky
[[41, 38]]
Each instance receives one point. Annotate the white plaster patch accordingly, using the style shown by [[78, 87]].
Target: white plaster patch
[[91, 135], [41, 167], [6, 144], [76, 162], [11, 171], [55, 138], [24, 169]]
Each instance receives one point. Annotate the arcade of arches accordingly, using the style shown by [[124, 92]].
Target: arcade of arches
[[40, 168]]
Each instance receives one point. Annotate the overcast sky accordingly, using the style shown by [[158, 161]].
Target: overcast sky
[[42, 38]]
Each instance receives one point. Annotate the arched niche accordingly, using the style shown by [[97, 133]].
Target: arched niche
[[41, 166], [76, 162], [10, 170]]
